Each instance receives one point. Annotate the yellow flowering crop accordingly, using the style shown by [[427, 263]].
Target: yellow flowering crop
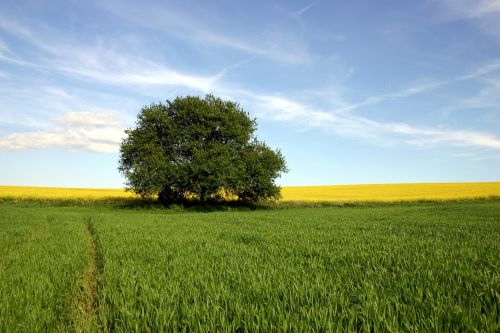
[[335, 193], [391, 192], [54, 193]]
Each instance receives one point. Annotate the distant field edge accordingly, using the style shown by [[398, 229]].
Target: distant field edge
[[137, 203], [332, 195]]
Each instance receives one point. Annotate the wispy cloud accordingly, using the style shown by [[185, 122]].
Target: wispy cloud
[[484, 13], [102, 131], [478, 8], [470, 9], [44, 101], [99, 132], [98, 62], [119, 70], [340, 117], [433, 136], [488, 7], [105, 63], [487, 68], [306, 8], [488, 97], [283, 46], [279, 108]]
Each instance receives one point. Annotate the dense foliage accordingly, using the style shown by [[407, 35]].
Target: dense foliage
[[199, 147]]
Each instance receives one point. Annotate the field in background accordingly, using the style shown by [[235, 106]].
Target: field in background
[[391, 192], [336, 193], [408, 267], [62, 193]]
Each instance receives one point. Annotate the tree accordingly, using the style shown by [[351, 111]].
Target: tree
[[201, 148]]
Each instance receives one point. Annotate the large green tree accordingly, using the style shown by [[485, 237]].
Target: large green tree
[[198, 147]]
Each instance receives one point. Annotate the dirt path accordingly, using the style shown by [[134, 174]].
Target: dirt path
[[85, 318]]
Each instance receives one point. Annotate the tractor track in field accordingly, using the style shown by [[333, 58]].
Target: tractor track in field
[[87, 303]]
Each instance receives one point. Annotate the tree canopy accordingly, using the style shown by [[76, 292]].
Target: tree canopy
[[201, 148]]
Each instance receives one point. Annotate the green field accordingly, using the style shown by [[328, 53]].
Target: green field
[[389, 267]]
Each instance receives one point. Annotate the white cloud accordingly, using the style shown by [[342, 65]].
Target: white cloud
[[430, 136], [484, 13], [339, 117], [306, 8], [279, 108], [102, 131], [471, 8], [119, 70], [90, 119], [487, 68], [105, 64], [281, 45], [92, 131], [488, 7], [484, 7], [487, 98]]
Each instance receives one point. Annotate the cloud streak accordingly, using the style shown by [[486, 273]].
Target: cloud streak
[[306, 8], [278, 108], [103, 64], [99, 132], [280, 46], [484, 13], [102, 132], [490, 67]]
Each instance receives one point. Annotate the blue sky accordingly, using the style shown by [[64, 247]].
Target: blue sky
[[350, 91]]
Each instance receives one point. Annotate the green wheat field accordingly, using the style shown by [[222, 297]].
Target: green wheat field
[[359, 267]]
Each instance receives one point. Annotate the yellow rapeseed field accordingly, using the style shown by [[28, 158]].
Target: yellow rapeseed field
[[391, 192], [334, 193], [54, 193]]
